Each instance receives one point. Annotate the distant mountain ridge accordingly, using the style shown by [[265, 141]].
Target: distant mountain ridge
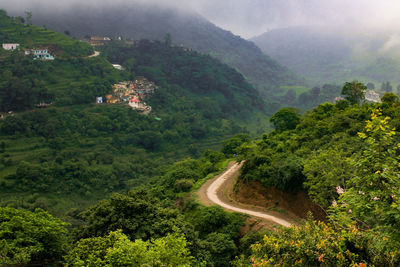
[[188, 29], [326, 55]]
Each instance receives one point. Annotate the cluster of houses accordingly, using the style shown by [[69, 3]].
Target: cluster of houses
[[37, 54], [103, 40], [133, 93]]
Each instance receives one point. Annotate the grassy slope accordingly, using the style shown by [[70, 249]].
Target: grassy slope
[[30, 36]]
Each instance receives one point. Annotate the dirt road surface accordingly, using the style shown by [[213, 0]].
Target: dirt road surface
[[213, 192], [95, 54]]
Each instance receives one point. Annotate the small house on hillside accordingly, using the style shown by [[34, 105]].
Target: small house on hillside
[[111, 99], [339, 98], [40, 54], [10, 46], [372, 96], [118, 67], [134, 103], [99, 40]]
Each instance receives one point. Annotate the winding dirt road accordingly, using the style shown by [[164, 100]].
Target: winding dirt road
[[212, 192], [95, 54]]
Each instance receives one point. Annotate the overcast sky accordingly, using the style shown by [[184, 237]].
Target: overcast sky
[[253, 17]]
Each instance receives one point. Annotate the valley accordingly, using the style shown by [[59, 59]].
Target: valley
[[143, 134]]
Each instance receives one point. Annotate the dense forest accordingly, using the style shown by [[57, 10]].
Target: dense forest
[[148, 21], [99, 149], [85, 184], [346, 157]]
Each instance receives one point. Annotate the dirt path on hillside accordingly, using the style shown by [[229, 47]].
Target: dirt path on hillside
[[218, 190], [95, 54]]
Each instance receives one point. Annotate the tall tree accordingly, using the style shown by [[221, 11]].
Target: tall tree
[[286, 119], [386, 87], [371, 86], [354, 91], [28, 17]]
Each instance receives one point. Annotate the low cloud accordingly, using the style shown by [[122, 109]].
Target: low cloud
[[253, 17]]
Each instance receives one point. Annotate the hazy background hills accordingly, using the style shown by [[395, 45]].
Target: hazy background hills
[[141, 21], [328, 54]]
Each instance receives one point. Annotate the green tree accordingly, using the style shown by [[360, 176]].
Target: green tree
[[168, 40], [390, 98], [386, 87], [371, 86], [117, 250], [28, 15], [230, 146], [285, 119], [138, 215], [354, 91], [312, 244], [327, 172], [28, 237], [373, 194]]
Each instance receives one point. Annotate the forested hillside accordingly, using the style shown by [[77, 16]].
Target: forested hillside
[[345, 157], [103, 184], [111, 172], [30, 36], [76, 151], [141, 21]]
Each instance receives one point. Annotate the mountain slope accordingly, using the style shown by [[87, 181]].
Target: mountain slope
[[324, 54], [191, 30], [76, 151], [30, 36]]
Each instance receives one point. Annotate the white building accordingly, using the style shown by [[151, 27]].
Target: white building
[[372, 96], [118, 67], [134, 103], [10, 46]]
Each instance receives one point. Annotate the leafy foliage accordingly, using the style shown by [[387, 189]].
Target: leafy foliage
[[117, 250], [326, 171], [314, 244], [278, 159], [354, 91], [285, 119], [138, 215], [373, 193], [27, 237]]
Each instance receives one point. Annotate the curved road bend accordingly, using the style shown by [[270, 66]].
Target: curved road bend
[[95, 54], [214, 187]]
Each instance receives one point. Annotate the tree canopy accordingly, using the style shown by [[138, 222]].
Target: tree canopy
[[354, 91]]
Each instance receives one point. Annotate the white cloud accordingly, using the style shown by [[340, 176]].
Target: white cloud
[[252, 17]]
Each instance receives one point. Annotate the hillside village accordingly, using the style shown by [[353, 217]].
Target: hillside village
[[132, 92], [37, 54]]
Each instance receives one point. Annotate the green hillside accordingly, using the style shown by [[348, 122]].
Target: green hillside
[[30, 36], [76, 152], [146, 21], [346, 158]]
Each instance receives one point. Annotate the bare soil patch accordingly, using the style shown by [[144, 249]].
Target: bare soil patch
[[296, 204]]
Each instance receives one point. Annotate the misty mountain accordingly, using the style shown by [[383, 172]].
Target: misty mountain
[[324, 54], [189, 29]]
